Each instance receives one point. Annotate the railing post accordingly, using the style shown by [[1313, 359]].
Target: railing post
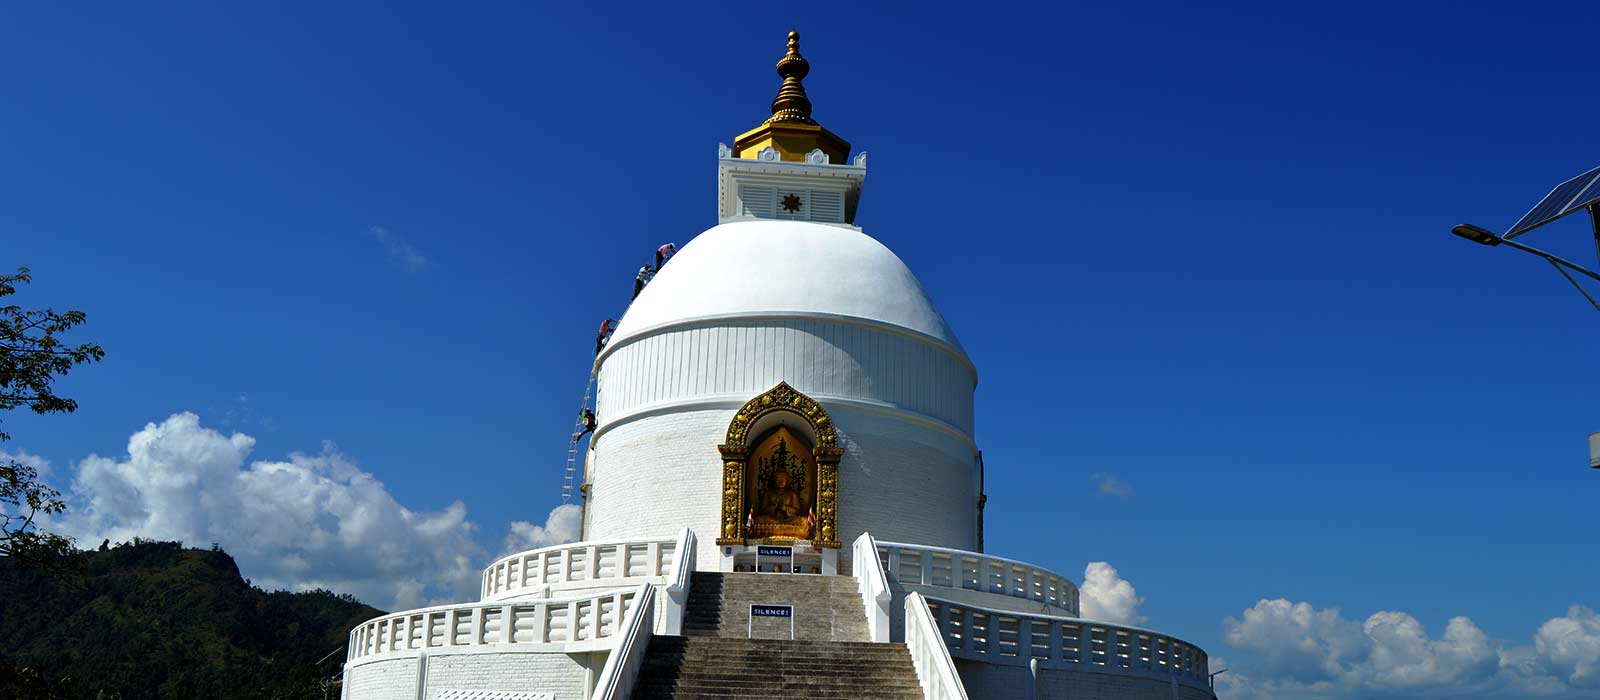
[[1055, 629], [541, 626], [677, 588], [944, 624], [574, 625]]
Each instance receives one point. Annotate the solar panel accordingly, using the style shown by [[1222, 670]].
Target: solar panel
[[1566, 198]]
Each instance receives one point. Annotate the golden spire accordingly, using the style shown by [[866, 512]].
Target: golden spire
[[791, 104], [790, 130]]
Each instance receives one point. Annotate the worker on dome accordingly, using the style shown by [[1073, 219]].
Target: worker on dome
[[639, 281], [606, 328], [664, 253], [589, 424]]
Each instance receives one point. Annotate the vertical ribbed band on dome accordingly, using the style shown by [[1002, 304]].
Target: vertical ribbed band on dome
[[791, 104]]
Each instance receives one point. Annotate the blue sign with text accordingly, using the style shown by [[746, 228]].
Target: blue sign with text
[[775, 551], [772, 611]]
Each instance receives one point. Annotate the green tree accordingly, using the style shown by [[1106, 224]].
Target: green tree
[[32, 357], [26, 683]]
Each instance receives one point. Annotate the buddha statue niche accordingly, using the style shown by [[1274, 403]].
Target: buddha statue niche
[[785, 487]]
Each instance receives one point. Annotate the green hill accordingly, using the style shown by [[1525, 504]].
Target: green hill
[[157, 620]]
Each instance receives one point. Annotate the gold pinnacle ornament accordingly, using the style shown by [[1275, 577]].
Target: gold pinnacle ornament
[[791, 131], [791, 104]]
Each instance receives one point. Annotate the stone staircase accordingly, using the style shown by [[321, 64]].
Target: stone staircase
[[827, 608], [829, 658]]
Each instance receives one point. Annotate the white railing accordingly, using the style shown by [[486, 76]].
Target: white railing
[[1011, 638], [873, 585], [936, 671], [539, 572], [913, 564], [578, 623], [683, 563], [627, 657]]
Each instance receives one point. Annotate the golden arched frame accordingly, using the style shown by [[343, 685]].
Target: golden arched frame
[[736, 450]]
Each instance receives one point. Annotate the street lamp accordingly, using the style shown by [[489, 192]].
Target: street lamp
[[1578, 194], [1478, 234]]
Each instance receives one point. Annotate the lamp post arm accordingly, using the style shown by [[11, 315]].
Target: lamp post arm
[[1574, 282], [1554, 260]]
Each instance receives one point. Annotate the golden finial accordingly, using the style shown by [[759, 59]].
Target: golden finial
[[790, 130], [791, 104]]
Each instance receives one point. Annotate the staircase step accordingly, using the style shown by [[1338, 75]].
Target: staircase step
[[710, 668]]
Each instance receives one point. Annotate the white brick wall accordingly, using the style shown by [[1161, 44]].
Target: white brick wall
[[395, 679], [560, 674], [901, 479]]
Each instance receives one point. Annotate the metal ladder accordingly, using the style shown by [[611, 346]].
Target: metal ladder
[[569, 481]]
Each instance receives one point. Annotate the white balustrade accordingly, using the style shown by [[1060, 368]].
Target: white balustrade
[[873, 585], [920, 565], [540, 572], [1008, 637], [627, 656], [936, 671], [577, 623], [683, 563]]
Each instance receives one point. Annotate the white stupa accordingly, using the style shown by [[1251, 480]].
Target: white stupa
[[783, 496]]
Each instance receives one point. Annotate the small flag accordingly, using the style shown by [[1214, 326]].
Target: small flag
[[811, 520], [750, 519]]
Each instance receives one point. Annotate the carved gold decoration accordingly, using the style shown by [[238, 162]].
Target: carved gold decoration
[[791, 131], [736, 455]]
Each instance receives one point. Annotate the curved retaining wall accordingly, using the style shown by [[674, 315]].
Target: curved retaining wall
[[575, 624], [995, 649], [581, 565], [938, 571]]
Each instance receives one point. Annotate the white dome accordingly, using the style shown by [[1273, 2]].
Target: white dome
[[785, 267]]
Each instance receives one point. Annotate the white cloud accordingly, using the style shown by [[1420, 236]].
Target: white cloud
[[1107, 597], [1570, 647], [308, 521], [39, 464], [1304, 652], [1109, 485], [560, 527], [401, 253]]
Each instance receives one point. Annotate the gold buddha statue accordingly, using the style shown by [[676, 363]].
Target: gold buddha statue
[[782, 502]]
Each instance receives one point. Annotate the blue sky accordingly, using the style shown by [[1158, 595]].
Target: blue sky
[[1202, 249]]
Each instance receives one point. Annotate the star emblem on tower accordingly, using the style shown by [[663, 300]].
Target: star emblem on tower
[[791, 203]]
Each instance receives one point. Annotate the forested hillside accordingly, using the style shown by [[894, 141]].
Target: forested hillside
[[157, 620]]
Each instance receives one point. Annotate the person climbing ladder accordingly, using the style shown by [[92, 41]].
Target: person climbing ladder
[[606, 329], [641, 280], [589, 424], [664, 253]]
